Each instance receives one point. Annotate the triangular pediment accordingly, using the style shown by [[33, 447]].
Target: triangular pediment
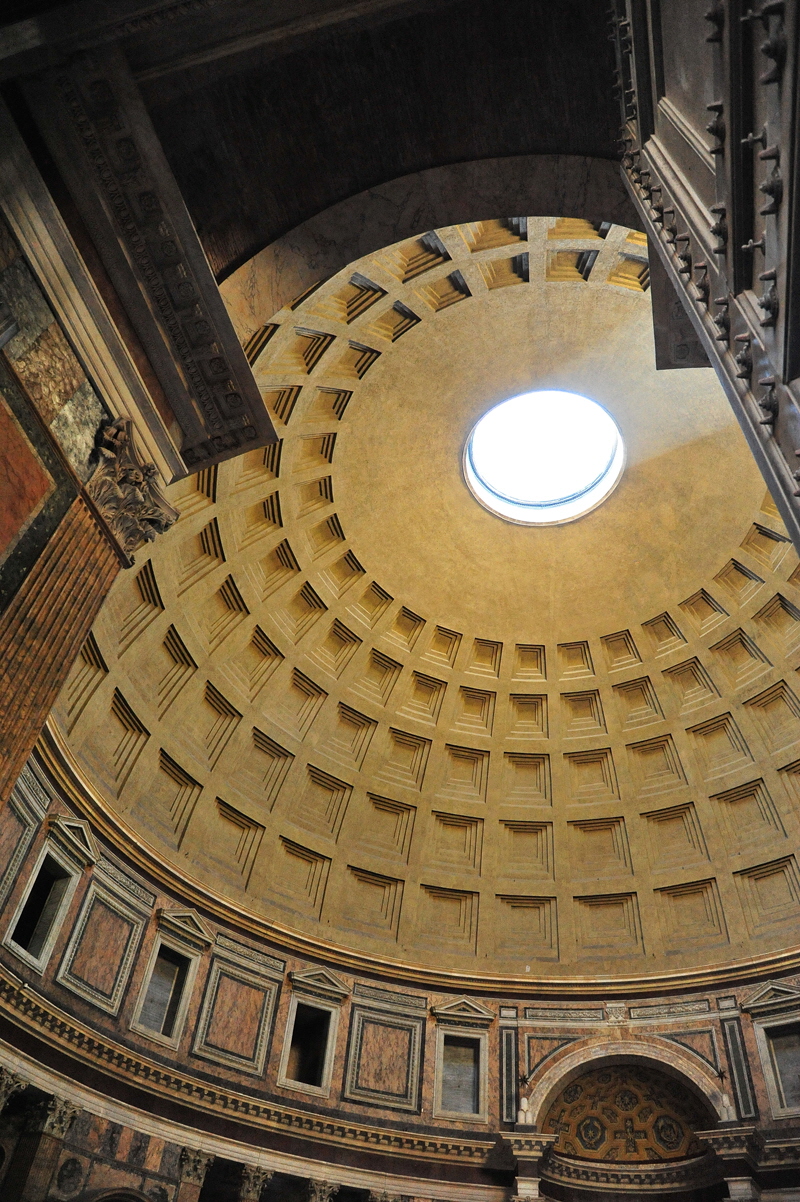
[[319, 981], [75, 837], [772, 998], [186, 925], [463, 1010]]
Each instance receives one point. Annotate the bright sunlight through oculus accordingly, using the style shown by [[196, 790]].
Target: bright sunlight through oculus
[[544, 457]]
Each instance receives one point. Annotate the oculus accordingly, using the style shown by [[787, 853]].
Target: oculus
[[543, 458]]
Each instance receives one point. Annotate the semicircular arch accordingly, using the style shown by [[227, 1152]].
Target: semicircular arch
[[668, 1058]]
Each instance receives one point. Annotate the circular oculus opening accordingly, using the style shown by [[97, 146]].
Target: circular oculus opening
[[543, 458]]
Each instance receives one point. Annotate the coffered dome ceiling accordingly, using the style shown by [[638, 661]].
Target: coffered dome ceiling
[[344, 696]]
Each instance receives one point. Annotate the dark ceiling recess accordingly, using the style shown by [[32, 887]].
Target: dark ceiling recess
[[273, 140]]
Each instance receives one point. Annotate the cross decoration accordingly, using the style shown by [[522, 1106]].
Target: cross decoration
[[630, 1136]]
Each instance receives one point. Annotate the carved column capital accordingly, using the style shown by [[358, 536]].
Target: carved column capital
[[124, 490], [55, 1117], [194, 1165], [254, 1179], [321, 1191], [10, 1083]]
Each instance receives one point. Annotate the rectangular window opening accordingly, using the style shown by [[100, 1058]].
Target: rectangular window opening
[[784, 1050], [461, 1074], [164, 992], [40, 911], [309, 1045]]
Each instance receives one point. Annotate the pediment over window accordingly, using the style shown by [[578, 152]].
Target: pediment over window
[[75, 837], [321, 982], [463, 1011], [772, 998], [186, 925]]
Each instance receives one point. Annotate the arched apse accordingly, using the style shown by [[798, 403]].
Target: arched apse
[[654, 1052]]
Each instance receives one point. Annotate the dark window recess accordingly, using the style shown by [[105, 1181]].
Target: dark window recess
[[309, 1044], [461, 1060], [40, 910], [784, 1047], [164, 993]]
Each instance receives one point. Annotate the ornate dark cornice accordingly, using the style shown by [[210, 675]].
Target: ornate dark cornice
[[756, 1148], [79, 792], [651, 1176], [530, 1146], [97, 128]]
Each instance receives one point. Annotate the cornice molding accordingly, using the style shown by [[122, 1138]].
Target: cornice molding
[[700, 1170], [59, 761], [34, 1014]]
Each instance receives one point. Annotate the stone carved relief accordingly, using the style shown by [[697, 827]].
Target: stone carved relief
[[124, 490], [254, 1179], [195, 1165], [10, 1083], [321, 1191], [56, 1117]]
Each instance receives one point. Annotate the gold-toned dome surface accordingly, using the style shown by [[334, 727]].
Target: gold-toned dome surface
[[343, 695]]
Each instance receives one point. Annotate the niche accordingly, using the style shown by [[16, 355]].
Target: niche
[[308, 1048], [461, 1075], [165, 991], [37, 920], [784, 1053]]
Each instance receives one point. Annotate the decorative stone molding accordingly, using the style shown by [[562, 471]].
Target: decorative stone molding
[[253, 1181], [194, 1165], [10, 1083], [772, 998], [73, 836], [186, 925], [124, 490], [530, 1146], [616, 1013], [463, 1011], [56, 1117], [321, 1191], [694, 1172], [739, 1143], [35, 1014], [319, 982], [650, 1049]]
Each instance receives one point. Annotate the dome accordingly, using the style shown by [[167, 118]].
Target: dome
[[361, 709]]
